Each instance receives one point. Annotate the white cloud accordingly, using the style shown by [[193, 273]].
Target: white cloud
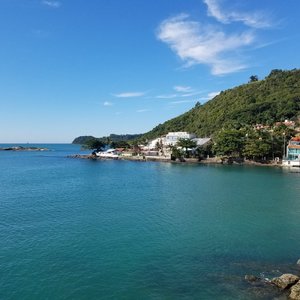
[[168, 96], [181, 101], [190, 94], [255, 19], [107, 103], [129, 94], [53, 4], [182, 89], [198, 44], [142, 110]]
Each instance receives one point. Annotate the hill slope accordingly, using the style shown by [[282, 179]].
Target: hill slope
[[275, 98]]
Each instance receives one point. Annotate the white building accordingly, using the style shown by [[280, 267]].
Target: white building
[[173, 137], [153, 144]]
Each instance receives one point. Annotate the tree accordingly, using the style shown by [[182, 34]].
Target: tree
[[253, 78], [119, 144], [198, 104], [94, 144], [186, 144], [229, 142], [256, 148], [176, 153], [203, 151]]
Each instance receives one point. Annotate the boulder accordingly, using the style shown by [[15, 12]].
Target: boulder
[[285, 281], [295, 291], [251, 278]]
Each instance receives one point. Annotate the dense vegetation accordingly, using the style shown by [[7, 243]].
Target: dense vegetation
[[267, 101], [246, 142], [112, 138], [82, 139]]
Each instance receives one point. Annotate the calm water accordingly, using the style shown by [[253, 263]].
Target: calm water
[[80, 229]]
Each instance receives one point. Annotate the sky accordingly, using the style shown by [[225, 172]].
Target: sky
[[78, 67]]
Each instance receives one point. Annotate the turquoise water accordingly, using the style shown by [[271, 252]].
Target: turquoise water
[[81, 229]]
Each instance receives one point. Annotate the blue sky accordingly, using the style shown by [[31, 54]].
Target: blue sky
[[77, 67]]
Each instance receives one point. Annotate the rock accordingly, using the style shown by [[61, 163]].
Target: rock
[[285, 281], [295, 291], [251, 278]]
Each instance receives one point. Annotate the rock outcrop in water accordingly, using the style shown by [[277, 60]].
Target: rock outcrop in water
[[285, 281], [288, 284], [295, 291]]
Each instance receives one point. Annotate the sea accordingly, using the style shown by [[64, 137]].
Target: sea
[[85, 229]]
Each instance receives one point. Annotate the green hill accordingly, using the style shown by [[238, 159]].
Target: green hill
[[267, 101], [107, 139], [82, 139]]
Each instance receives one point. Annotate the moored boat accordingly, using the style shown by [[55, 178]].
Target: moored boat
[[110, 153]]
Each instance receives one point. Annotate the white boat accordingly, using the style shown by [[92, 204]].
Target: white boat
[[110, 153]]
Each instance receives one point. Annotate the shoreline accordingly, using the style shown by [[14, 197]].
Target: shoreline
[[207, 161]]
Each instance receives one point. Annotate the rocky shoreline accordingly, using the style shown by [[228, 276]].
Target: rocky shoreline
[[287, 285], [214, 160]]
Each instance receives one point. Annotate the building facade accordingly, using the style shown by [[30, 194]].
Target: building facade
[[173, 137], [292, 153], [293, 149]]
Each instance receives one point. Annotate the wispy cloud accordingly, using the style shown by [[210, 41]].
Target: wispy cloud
[[167, 96], [181, 101], [129, 94], [191, 94], [52, 4], [142, 110], [198, 44], [226, 16], [182, 89], [107, 103]]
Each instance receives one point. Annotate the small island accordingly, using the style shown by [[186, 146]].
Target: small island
[[20, 148]]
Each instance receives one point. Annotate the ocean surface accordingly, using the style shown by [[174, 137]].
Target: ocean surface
[[82, 229]]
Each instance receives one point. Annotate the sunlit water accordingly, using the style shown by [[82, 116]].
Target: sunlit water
[[82, 229]]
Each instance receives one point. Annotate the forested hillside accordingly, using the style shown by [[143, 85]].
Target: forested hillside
[[275, 98]]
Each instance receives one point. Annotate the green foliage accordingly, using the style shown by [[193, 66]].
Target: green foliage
[[186, 144], [257, 145], [107, 139], [253, 78], [120, 144], [204, 151], [82, 139], [176, 153], [229, 142], [267, 101], [123, 137], [94, 144]]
